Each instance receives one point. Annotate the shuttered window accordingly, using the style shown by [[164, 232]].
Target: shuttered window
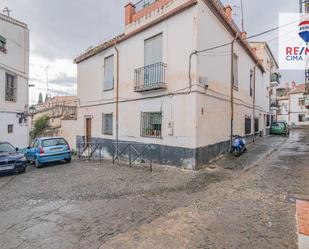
[[248, 125], [107, 124], [235, 70], [109, 73], [153, 50], [10, 87]]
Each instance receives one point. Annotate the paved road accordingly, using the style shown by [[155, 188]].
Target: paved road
[[87, 205]]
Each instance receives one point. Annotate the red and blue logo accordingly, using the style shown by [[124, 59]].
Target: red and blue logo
[[304, 31], [298, 53]]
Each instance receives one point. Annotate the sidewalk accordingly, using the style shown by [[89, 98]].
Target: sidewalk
[[257, 151], [302, 209]]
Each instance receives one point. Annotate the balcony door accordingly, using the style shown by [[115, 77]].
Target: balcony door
[[153, 56]]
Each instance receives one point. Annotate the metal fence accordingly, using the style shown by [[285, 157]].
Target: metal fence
[[87, 150], [150, 77], [132, 153]]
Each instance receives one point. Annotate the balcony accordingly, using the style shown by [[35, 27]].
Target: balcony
[[143, 4], [275, 79], [150, 77]]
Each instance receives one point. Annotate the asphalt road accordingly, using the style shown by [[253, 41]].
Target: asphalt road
[[88, 205]]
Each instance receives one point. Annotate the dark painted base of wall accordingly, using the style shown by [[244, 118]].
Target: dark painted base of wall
[[188, 158]]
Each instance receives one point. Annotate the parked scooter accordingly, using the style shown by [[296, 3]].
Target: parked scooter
[[239, 145]]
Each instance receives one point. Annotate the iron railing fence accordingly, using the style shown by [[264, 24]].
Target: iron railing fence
[[150, 77], [133, 153], [87, 150]]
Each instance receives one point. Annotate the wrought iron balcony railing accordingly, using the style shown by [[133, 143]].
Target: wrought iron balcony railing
[[275, 78], [143, 4], [150, 77]]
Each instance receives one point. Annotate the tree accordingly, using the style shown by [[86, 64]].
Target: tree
[[40, 98], [39, 126]]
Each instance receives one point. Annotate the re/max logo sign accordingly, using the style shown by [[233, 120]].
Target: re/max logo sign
[[296, 53]]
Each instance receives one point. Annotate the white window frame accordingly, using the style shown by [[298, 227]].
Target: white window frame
[[104, 131], [107, 85]]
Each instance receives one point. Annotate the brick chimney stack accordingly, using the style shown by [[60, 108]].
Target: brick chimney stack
[[129, 11], [229, 11]]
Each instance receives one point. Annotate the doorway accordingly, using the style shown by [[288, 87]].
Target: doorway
[[88, 130]]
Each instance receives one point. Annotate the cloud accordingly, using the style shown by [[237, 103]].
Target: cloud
[[63, 79]]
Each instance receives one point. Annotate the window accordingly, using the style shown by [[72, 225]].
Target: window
[[53, 142], [2, 44], [301, 118], [235, 70], [248, 125], [107, 124], [256, 125], [251, 82], [10, 87], [268, 120], [151, 124], [109, 73], [153, 50], [153, 72], [10, 128], [301, 102]]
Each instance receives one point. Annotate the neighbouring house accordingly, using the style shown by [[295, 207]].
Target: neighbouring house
[[299, 114], [61, 111], [291, 101], [271, 66], [14, 74], [149, 85]]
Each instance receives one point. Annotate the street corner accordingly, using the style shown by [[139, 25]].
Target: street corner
[[302, 215]]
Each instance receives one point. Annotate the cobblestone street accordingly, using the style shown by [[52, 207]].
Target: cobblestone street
[[228, 205]]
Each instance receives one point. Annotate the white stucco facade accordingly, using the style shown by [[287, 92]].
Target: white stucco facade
[[193, 118], [14, 67]]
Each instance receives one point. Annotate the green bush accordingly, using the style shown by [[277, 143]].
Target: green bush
[[39, 126]]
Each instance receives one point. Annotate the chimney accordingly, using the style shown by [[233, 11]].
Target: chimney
[[243, 35], [228, 12], [129, 11]]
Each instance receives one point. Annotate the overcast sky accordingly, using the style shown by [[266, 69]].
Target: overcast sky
[[62, 29]]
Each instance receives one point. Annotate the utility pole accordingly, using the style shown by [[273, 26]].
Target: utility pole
[[7, 11]]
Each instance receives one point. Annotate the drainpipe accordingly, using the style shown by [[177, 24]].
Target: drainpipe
[[232, 90], [254, 82], [117, 98]]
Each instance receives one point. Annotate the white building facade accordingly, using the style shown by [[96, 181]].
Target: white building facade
[[148, 86], [14, 74]]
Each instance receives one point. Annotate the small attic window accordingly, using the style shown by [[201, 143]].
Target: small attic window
[[2, 44]]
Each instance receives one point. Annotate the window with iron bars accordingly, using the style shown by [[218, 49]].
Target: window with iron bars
[[107, 124], [10, 87], [2, 44], [256, 124], [247, 125], [268, 120], [151, 124]]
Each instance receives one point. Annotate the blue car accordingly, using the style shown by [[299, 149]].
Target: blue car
[[48, 150], [11, 160]]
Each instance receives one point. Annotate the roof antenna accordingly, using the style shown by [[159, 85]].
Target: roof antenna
[[7, 11]]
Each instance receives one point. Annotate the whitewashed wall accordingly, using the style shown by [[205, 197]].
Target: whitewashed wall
[[16, 62]]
